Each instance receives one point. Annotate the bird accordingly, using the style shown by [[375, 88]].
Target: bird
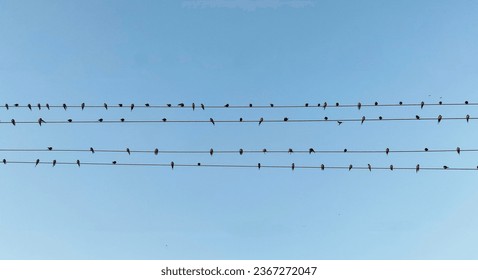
[[156, 151], [78, 162], [120, 105], [369, 167], [339, 122], [227, 105], [169, 105], [16, 105], [128, 151], [70, 120], [164, 119], [105, 105], [250, 105], [172, 164], [337, 104], [50, 148], [48, 106], [6, 106], [202, 106], [240, 119], [122, 119], [29, 106], [212, 121], [376, 103], [467, 118], [445, 167], [114, 162], [132, 106], [359, 105], [350, 167], [264, 150], [380, 118], [439, 118], [466, 102], [241, 151], [100, 120], [345, 150], [290, 151], [193, 106], [417, 168], [146, 104], [401, 103], [326, 118], [4, 161], [417, 117], [458, 150], [391, 167], [322, 166], [258, 166], [13, 122], [92, 150], [37, 162], [387, 150], [54, 163], [211, 151], [272, 105], [261, 120], [293, 166], [40, 121], [64, 106], [286, 119], [39, 106], [311, 150], [199, 164], [426, 149], [325, 105], [422, 104], [363, 119], [181, 105]]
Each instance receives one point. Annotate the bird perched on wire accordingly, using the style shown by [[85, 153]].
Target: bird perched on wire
[[359, 105], [293, 166], [458, 150], [39, 106], [417, 168], [181, 105], [306, 105], [311, 150], [259, 166], [164, 119], [128, 151], [37, 162], [286, 119], [50, 148], [4, 161], [339, 122], [78, 162], [439, 118], [172, 164], [322, 166], [40, 121], [131, 107], [6, 106], [193, 106], [387, 150], [272, 105], [122, 119], [54, 163], [169, 105], [114, 162], [350, 167], [92, 150], [146, 105], [100, 120], [445, 167], [363, 119], [325, 105], [64, 106], [29, 106], [290, 151], [369, 167], [391, 167], [264, 150], [261, 120], [48, 106], [422, 104], [202, 106], [467, 118], [105, 105], [227, 105], [212, 121], [156, 151], [417, 117], [241, 151], [13, 122], [211, 151]]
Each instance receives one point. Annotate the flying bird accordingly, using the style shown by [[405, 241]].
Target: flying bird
[[458, 150], [467, 118], [128, 151], [156, 151], [37, 162], [311, 150], [211, 151], [64, 106], [13, 122], [359, 105], [261, 120], [29, 106], [417, 168], [40, 121], [78, 162], [202, 106], [369, 167], [106, 106], [439, 118], [363, 119], [212, 121]]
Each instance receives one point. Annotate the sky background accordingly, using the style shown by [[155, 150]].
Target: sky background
[[238, 52]]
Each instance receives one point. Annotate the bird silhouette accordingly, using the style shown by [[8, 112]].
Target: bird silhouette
[[272, 105], [105, 105], [466, 102], [345, 150], [241, 151], [400, 103], [227, 105], [156, 151], [39, 106], [286, 119], [290, 151], [250, 105], [359, 105], [458, 150], [380, 118], [369, 167], [240, 119], [264, 151], [311, 150], [54, 163], [100, 120], [16, 105], [193, 106], [212, 121], [29, 106], [70, 120], [422, 104], [350, 167], [259, 166], [131, 107], [40, 121], [64, 106], [6, 106], [417, 117], [50, 148], [202, 106], [120, 105], [169, 105], [322, 166], [387, 150], [128, 151], [326, 118], [339, 122], [48, 106], [181, 105], [306, 105], [92, 150], [293, 166], [122, 119], [164, 119], [325, 105], [391, 167], [114, 162], [211, 151], [37, 162], [439, 118], [13, 122], [337, 104], [199, 164], [376, 103], [261, 120], [4, 161], [83, 106], [467, 118], [363, 119], [146, 104], [417, 168], [426, 149], [172, 164], [78, 162], [445, 167]]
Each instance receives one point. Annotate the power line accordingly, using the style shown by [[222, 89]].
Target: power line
[[201, 106], [362, 120], [259, 166], [241, 151]]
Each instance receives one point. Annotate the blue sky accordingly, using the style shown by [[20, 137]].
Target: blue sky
[[238, 52]]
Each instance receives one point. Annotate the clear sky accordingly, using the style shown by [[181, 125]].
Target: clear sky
[[238, 52]]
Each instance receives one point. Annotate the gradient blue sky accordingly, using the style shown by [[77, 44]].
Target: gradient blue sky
[[238, 52]]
